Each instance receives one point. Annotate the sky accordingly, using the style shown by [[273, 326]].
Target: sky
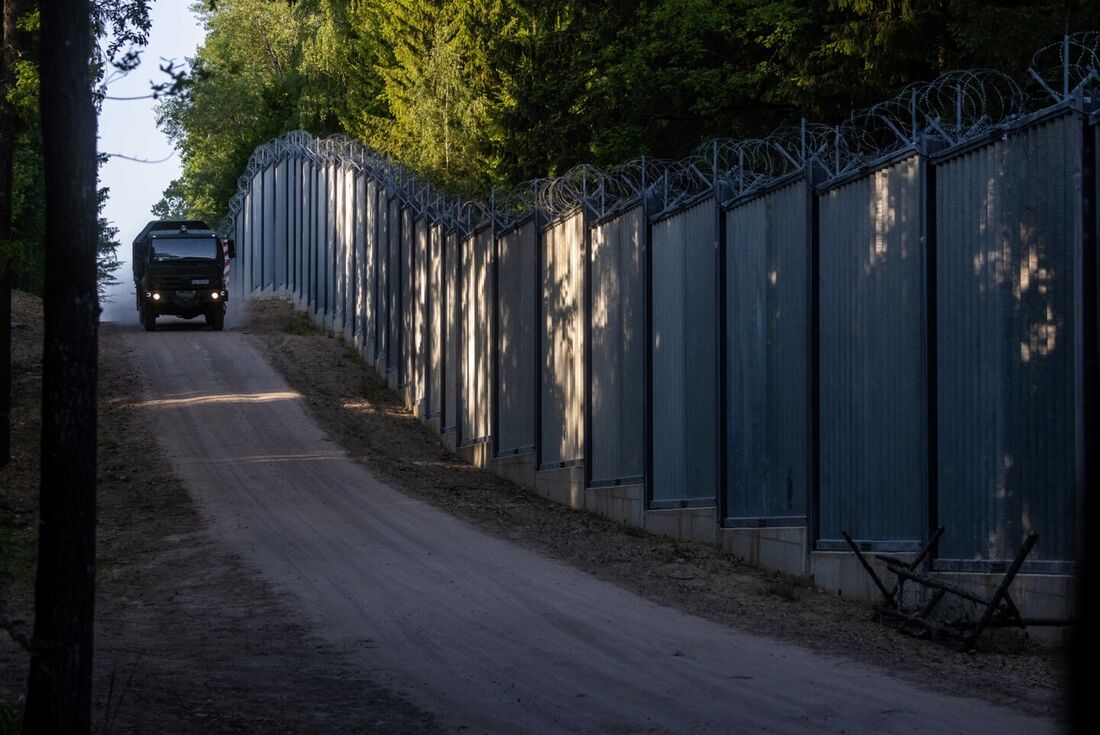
[[129, 128]]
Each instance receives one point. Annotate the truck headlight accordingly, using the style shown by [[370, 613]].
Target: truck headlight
[[215, 295], [156, 297]]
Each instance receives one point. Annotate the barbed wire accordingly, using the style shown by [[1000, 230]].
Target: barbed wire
[[1062, 69], [956, 107]]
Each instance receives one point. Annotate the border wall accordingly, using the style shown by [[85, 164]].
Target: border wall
[[859, 329]]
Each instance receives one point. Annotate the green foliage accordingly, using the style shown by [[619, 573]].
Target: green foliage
[[125, 23], [173, 205], [28, 225], [478, 93]]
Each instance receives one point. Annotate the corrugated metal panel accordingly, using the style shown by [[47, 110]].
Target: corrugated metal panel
[[477, 298], [370, 268], [420, 320], [562, 342], [331, 296], [309, 230], [393, 282], [267, 266], [340, 255], [873, 402], [363, 264], [336, 255], [307, 223], [408, 298], [351, 289], [685, 384], [767, 355], [1007, 281], [452, 322], [256, 225], [382, 207], [299, 224], [322, 246], [618, 347], [435, 326], [292, 201], [516, 279], [279, 240], [237, 267], [303, 233]]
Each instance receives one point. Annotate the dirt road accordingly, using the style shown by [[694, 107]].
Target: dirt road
[[488, 636]]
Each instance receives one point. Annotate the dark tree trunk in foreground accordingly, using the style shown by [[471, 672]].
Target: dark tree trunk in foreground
[[8, 122], [59, 687]]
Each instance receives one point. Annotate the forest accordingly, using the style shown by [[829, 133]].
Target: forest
[[475, 94]]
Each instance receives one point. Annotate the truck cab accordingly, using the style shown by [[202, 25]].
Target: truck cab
[[179, 269]]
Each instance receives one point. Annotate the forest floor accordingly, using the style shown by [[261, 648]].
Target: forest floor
[[188, 639]]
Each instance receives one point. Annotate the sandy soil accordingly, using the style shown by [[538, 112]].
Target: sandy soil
[[353, 405]]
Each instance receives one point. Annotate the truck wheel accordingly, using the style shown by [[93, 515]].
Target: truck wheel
[[148, 319], [217, 319]]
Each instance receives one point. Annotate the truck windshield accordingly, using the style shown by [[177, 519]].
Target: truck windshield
[[199, 248]]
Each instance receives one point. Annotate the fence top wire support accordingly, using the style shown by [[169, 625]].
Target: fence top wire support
[[956, 107]]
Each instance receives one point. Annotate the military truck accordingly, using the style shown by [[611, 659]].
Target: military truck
[[179, 269]]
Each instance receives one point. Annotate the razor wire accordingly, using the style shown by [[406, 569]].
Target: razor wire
[[956, 107]]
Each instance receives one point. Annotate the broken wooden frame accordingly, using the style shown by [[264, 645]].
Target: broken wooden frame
[[998, 611]]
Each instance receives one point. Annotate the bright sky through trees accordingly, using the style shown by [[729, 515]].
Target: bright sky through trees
[[129, 128]]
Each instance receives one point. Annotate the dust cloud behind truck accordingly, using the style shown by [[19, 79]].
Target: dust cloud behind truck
[[179, 270]]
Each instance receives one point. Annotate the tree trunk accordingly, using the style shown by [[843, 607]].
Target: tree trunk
[[8, 131], [59, 686]]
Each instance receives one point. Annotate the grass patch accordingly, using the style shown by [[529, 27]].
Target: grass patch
[[634, 531], [299, 327]]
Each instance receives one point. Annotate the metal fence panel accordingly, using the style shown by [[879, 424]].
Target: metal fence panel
[[340, 250], [363, 262], [308, 234], [618, 347], [237, 267], [393, 284], [278, 239], [370, 268], [516, 281], [321, 246], [1009, 395], [256, 226], [435, 321], [293, 201], [382, 298], [451, 321], [562, 342], [408, 298], [685, 385], [347, 238], [420, 314], [767, 355], [267, 254], [331, 297], [351, 279], [304, 230], [477, 298], [873, 422]]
